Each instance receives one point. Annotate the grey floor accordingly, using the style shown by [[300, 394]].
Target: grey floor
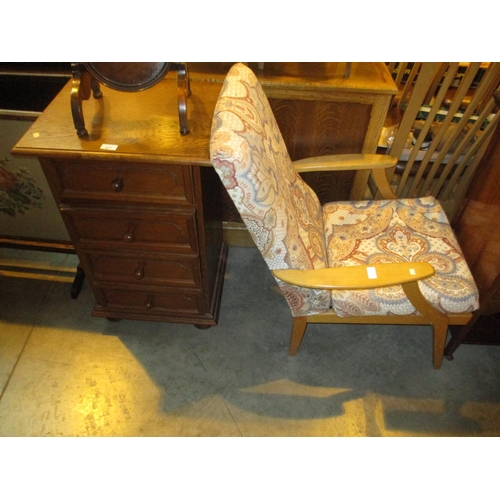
[[65, 373]]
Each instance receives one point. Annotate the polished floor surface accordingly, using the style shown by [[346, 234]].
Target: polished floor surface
[[65, 373]]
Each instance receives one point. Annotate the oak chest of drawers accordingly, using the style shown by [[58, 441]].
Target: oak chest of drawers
[[144, 214]]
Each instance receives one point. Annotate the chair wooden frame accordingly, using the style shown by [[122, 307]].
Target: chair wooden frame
[[365, 277]]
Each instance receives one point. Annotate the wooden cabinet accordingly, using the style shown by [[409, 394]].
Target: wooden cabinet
[[145, 217], [320, 111], [478, 232]]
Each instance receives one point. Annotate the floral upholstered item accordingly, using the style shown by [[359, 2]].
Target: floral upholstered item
[[387, 231], [293, 231], [281, 212]]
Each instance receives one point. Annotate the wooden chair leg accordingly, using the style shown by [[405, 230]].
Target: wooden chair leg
[[439, 340], [438, 319], [298, 330]]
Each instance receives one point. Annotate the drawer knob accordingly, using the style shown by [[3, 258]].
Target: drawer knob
[[149, 304], [129, 236], [117, 185], [139, 272]]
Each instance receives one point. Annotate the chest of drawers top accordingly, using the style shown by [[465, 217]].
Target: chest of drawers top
[[127, 126]]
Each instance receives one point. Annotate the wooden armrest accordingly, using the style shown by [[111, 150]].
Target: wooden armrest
[[378, 164], [345, 162], [356, 277]]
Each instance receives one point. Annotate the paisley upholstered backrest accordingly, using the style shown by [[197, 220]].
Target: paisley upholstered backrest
[[281, 212]]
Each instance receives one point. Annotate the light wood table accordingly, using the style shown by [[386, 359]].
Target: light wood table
[[320, 112]]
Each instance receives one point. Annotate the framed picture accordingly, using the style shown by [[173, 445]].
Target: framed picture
[[28, 213]]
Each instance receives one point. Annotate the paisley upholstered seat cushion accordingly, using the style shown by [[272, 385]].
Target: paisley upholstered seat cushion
[[385, 231]]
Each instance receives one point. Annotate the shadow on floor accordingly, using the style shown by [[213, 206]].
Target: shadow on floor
[[143, 378]]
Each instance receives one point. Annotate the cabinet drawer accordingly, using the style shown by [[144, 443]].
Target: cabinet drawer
[[126, 231], [120, 182], [167, 302], [169, 270]]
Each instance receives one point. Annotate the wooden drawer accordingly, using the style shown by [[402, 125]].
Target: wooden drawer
[[144, 269], [166, 302], [120, 182], [129, 231]]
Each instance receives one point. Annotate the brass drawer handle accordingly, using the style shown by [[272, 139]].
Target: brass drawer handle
[[139, 272], [117, 185], [149, 304], [129, 236]]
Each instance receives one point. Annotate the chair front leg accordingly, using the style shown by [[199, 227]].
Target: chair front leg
[[439, 342], [298, 330], [438, 319]]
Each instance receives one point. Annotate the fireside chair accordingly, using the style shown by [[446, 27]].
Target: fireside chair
[[391, 261]]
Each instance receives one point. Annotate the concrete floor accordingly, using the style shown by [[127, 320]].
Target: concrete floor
[[65, 373]]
